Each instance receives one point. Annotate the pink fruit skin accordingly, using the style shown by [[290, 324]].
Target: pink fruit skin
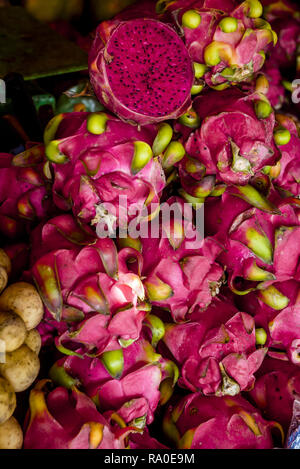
[[289, 177], [234, 225], [241, 48], [149, 103], [284, 19], [218, 423], [277, 385], [230, 128], [99, 172], [173, 261], [88, 277], [145, 441], [24, 196], [276, 91], [67, 420], [220, 337], [138, 383]]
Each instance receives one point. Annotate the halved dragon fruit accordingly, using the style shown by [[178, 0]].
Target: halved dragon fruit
[[140, 69], [226, 40], [201, 422], [62, 419], [105, 170]]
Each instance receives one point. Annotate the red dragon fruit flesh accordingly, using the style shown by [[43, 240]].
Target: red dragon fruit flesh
[[141, 70]]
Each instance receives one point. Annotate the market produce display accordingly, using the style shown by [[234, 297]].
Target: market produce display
[[150, 262]]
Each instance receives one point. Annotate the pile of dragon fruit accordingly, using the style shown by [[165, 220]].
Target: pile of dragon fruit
[[166, 340]]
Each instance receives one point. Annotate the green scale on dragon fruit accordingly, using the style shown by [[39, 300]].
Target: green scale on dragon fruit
[[218, 351], [233, 141], [79, 276], [96, 158], [202, 422], [226, 40]]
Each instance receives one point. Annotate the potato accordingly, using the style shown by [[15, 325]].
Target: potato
[[3, 278], [7, 400], [12, 330], [24, 300], [21, 368], [5, 268], [34, 341], [11, 435]]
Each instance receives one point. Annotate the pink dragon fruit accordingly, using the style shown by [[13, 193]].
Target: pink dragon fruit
[[98, 159], [286, 175], [280, 320], [144, 441], [19, 258], [284, 19], [140, 68], [276, 91], [226, 40], [24, 191], [234, 141], [261, 255], [131, 381], [261, 245], [60, 419], [180, 271], [87, 286], [216, 350], [277, 386], [199, 422]]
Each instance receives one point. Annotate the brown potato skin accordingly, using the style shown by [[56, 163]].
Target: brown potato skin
[[11, 435], [33, 341], [21, 368], [5, 268], [12, 330], [23, 299], [8, 400]]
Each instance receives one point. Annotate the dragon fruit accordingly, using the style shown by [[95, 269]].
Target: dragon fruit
[[132, 380], [286, 174], [144, 441], [98, 159], [276, 91], [284, 19], [140, 68], [62, 419], [242, 126], [201, 422], [280, 320], [85, 283], [180, 271], [216, 350], [24, 191], [277, 386], [261, 245], [261, 255], [226, 40]]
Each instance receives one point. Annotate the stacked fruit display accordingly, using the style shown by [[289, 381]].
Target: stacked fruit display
[[21, 311], [154, 336]]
